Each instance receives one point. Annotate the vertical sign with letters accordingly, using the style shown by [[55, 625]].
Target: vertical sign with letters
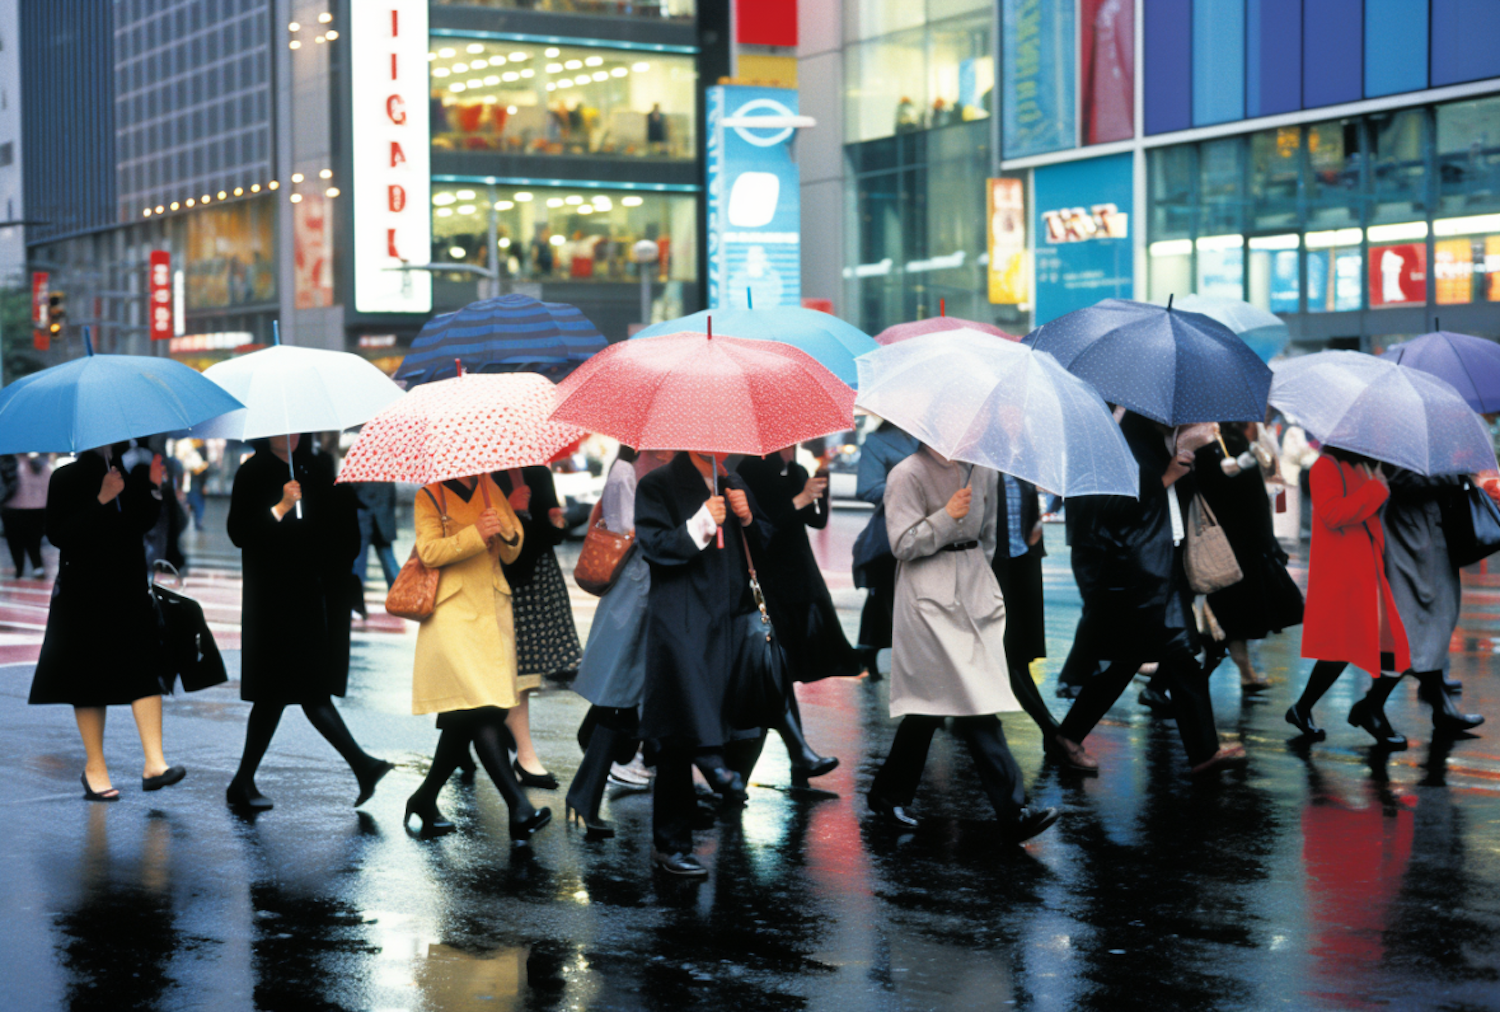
[[392, 174], [159, 295]]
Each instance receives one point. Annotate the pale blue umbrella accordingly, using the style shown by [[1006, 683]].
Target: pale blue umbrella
[[1003, 406], [1265, 332], [831, 342], [99, 400]]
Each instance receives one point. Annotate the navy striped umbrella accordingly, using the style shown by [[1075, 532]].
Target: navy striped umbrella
[[512, 333]]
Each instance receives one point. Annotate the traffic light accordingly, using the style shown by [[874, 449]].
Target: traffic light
[[57, 312]]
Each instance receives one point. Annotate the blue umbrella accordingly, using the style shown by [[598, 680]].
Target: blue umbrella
[[98, 400], [512, 333], [1174, 367], [831, 342], [1471, 365]]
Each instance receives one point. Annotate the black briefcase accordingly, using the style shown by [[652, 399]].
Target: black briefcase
[[1471, 525], [188, 645]]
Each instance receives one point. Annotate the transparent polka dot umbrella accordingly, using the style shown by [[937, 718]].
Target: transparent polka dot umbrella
[[454, 428]]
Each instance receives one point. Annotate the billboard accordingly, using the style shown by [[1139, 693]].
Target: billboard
[[1398, 275], [1005, 211], [1106, 70], [159, 293], [754, 199], [389, 136], [1039, 77], [1083, 220]]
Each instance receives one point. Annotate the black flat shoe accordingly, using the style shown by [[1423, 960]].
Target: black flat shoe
[[247, 798], [524, 829], [1303, 722], [369, 778], [894, 814], [541, 781], [728, 785], [825, 764], [1029, 823], [433, 821], [173, 774], [89, 794], [1374, 721], [681, 865], [594, 829], [1159, 702]]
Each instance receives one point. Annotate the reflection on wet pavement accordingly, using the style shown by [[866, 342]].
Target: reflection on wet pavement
[[1327, 877]]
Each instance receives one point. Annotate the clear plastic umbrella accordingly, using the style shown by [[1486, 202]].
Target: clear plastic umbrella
[[1383, 410], [1000, 405]]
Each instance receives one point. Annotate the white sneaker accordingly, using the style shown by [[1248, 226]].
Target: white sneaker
[[639, 767], [623, 776]]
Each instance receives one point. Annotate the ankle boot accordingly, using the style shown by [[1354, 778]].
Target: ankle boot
[[1369, 713], [1445, 715], [805, 762], [587, 788]]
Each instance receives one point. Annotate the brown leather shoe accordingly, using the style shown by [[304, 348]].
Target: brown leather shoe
[[1071, 754], [1229, 755]]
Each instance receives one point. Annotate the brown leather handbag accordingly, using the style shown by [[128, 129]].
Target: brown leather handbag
[[603, 557], [414, 594]]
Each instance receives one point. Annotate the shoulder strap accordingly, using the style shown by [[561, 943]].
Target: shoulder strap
[[442, 509]]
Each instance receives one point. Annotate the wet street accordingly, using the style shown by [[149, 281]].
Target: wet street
[[1327, 877]]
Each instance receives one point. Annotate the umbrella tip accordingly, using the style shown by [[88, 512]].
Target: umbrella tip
[[942, 307], [710, 321], [88, 341], [276, 333], [749, 297], [458, 366], [1169, 303]]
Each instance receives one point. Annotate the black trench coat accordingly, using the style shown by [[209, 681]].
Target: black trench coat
[[298, 590], [695, 596], [102, 647], [802, 611]]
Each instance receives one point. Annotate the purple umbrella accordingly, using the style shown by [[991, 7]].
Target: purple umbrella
[[1471, 365]]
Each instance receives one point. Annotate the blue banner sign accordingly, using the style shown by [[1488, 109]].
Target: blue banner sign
[[1040, 42], [1083, 221]]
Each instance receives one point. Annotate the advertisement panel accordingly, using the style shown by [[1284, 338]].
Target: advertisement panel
[[1082, 223], [159, 295], [392, 173], [1005, 211], [312, 240], [754, 199], [1453, 271], [1398, 274], [1039, 77], [1106, 70], [41, 338]]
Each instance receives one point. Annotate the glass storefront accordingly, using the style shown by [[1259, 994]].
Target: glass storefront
[[669, 10], [570, 234], [524, 98], [938, 74], [230, 255]]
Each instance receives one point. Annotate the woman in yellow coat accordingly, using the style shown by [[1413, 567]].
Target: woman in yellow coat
[[466, 649]]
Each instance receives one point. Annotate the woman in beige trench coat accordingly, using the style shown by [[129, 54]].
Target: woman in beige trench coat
[[948, 649], [466, 650]]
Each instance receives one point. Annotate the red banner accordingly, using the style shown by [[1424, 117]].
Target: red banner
[[159, 296], [39, 291]]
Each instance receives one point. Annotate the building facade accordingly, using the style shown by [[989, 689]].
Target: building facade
[[1334, 161]]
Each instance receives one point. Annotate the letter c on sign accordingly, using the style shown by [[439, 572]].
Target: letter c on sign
[[396, 195], [395, 108]]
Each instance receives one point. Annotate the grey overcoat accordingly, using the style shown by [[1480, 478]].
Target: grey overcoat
[[1424, 580]]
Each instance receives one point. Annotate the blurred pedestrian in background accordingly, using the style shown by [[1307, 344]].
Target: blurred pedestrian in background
[[23, 509], [377, 529], [874, 565]]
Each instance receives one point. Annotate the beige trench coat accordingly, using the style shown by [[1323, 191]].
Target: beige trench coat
[[466, 649], [948, 655]]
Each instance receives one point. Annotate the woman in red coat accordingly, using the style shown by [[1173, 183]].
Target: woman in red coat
[[1351, 616]]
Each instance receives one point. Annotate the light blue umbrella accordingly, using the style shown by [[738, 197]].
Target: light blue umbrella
[[98, 400], [831, 342], [1264, 331]]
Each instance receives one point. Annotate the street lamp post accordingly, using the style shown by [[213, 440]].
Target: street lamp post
[[645, 253]]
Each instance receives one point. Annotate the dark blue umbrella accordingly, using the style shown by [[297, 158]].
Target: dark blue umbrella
[[1175, 367], [1471, 365], [512, 333]]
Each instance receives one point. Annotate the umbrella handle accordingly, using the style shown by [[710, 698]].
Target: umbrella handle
[[714, 467], [293, 472]]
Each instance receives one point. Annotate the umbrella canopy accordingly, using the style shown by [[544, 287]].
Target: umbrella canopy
[[286, 389], [936, 325], [833, 343], [1471, 365], [1264, 331], [512, 333], [1383, 410], [1000, 405], [1175, 367], [102, 399], [459, 427], [716, 395]]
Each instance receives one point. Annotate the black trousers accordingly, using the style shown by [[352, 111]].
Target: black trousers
[[673, 801], [23, 532], [878, 616], [896, 782], [1182, 677]]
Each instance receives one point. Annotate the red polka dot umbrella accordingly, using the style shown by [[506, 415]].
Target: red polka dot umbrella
[[454, 428], [715, 395]]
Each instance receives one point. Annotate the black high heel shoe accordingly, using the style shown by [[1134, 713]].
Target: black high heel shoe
[[369, 777], [728, 785], [541, 781], [594, 828], [247, 798], [1303, 722], [522, 830], [433, 821], [1373, 720]]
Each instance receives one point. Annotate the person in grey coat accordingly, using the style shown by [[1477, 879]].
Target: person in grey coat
[[948, 651], [1425, 583]]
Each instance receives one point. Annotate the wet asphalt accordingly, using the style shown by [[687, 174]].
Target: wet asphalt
[[1322, 877]]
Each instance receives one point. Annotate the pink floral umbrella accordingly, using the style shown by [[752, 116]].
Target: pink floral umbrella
[[473, 424]]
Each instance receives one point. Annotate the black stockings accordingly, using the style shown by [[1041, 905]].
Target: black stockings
[[325, 719]]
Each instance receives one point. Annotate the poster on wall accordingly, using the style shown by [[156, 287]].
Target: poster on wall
[[1398, 275], [313, 253], [1005, 211], [392, 175], [1106, 70], [754, 199], [159, 294], [1083, 220], [1039, 77], [1453, 271]]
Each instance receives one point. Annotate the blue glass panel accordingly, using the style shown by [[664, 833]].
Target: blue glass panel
[[1218, 61], [1463, 41], [1395, 46], [1168, 74], [1332, 69], [1040, 50], [1273, 57]]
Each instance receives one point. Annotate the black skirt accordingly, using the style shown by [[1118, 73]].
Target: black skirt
[[546, 638], [71, 674]]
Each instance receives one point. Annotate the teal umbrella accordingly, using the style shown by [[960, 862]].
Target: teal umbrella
[[831, 342], [98, 400]]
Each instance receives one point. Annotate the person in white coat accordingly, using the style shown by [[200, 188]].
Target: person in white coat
[[948, 650]]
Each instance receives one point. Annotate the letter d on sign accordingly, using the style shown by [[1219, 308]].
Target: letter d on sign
[[397, 197]]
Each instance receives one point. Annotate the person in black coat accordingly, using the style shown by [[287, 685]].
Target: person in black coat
[[296, 601], [377, 529], [802, 611], [1127, 559], [697, 591], [102, 647]]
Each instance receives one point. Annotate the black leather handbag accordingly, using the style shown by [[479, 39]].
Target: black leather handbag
[[188, 645], [1471, 525], [758, 684]]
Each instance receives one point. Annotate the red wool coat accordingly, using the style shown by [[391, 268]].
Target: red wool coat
[[1350, 615]]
